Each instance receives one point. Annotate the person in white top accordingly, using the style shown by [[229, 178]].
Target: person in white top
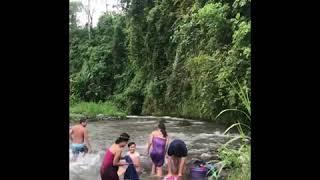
[[135, 156]]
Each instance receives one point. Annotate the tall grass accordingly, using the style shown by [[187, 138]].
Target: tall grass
[[238, 160], [92, 109]]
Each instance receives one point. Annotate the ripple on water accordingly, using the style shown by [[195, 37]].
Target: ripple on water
[[145, 122], [197, 122]]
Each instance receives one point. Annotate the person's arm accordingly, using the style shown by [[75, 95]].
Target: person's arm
[[181, 166], [169, 165], [167, 145], [116, 159], [70, 134], [86, 140], [122, 157], [150, 142], [138, 162]]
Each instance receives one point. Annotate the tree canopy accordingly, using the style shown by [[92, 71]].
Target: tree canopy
[[164, 57]]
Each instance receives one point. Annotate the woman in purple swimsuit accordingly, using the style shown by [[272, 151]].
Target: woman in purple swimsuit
[[157, 146], [111, 162]]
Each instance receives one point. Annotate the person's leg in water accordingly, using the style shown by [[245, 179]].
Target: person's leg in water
[[169, 166], [182, 167], [176, 167], [159, 171], [172, 164], [74, 157], [153, 170], [156, 171], [77, 149], [84, 150], [75, 153]]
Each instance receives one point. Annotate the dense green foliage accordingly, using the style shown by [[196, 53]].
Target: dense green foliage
[[237, 159], [91, 110], [164, 57]]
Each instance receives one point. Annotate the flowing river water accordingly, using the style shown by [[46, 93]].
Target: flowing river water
[[202, 140]]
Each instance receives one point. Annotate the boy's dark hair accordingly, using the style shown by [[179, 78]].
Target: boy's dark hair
[[131, 143], [82, 120], [124, 137]]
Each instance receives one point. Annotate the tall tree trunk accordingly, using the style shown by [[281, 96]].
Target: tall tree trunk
[[89, 13]]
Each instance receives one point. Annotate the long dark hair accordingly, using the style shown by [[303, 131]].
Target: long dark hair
[[124, 137], [162, 128]]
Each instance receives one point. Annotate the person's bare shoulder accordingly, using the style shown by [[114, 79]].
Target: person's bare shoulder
[[118, 150], [77, 127], [113, 149], [137, 154], [154, 133]]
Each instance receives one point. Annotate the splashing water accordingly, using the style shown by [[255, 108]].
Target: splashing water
[[85, 166], [201, 138]]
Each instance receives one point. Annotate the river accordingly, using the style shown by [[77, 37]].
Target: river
[[202, 139]]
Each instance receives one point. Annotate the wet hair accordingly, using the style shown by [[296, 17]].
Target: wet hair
[[162, 121], [177, 148], [124, 137], [83, 120], [162, 128], [131, 143]]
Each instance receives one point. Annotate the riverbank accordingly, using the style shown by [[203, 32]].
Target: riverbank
[[93, 110], [108, 110]]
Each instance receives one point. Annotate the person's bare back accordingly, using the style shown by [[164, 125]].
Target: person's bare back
[[157, 133], [79, 138], [78, 134]]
